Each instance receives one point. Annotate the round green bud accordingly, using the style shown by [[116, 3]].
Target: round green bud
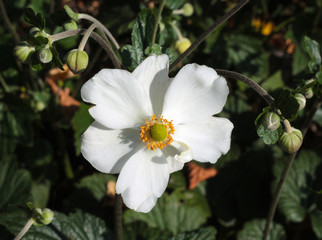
[[188, 9], [40, 106], [47, 216], [182, 45], [158, 132], [45, 55], [271, 121], [77, 60], [23, 51], [70, 25], [291, 142], [301, 100]]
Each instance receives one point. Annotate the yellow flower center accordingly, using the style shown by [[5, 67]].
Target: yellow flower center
[[157, 133]]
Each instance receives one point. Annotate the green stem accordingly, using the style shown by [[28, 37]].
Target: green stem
[[157, 20], [118, 217], [4, 84], [209, 31], [96, 37], [257, 88], [288, 126], [101, 26], [176, 29], [86, 36], [24, 230], [286, 169]]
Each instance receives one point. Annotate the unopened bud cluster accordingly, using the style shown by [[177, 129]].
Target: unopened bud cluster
[[42, 216]]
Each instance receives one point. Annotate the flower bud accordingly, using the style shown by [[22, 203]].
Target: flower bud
[[42, 216], [301, 100], [70, 25], [47, 216], [291, 142], [77, 60], [188, 9], [45, 55], [182, 45], [308, 92], [271, 121], [23, 51]]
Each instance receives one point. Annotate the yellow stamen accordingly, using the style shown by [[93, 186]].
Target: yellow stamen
[[156, 142]]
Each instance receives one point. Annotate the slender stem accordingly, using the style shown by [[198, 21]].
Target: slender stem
[[178, 11], [96, 37], [4, 84], [261, 91], [7, 22], [288, 126], [156, 24], [86, 36], [24, 230], [210, 30], [118, 217], [176, 29], [101, 26], [286, 169]]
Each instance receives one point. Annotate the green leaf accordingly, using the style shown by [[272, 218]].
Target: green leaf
[[36, 20], [131, 57], [155, 49], [319, 77], [300, 61], [36, 41], [79, 225], [318, 117], [207, 233], [71, 13], [274, 82], [174, 4], [254, 229], [143, 30], [268, 136], [287, 103], [81, 121], [15, 184], [265, 110], [40, 194], [15, 124], [316, 220], [312, 48], [56, 59], [175, 213], [140, 230], [295, 196]]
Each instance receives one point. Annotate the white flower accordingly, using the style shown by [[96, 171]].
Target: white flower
[[148, 125]]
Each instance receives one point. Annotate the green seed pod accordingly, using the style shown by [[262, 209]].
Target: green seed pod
[[70, 25], [309, 91], [182, 45], [271, 121], [23, 51], [188, 9], [77, 60], [45, 55], [301, 100], [291, 142]]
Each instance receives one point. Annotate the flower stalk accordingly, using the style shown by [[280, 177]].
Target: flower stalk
[[86, 36], [101, 26], [24, 229], [118, 220], [156, 24]]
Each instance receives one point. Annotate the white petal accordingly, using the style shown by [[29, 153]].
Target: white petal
[[108, 149], [153, 74], [197, 92], [143, 179], [121, 102], [177, 154], [208, 139]]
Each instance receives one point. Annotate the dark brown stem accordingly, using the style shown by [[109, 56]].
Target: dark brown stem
[[209, 31], [7, 22], [257, 88]]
